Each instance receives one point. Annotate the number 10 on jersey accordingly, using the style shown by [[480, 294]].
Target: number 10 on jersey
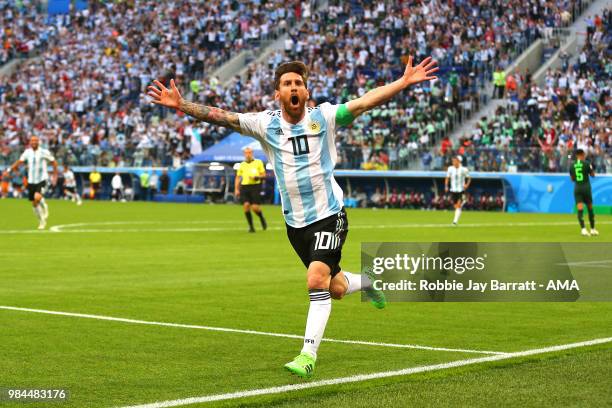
[[300, 145]]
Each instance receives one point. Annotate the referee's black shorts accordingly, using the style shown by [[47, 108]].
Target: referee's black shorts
[[34, 188], [321, 241], [250, 193]]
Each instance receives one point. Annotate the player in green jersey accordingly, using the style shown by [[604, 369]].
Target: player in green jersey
[[580, 172]]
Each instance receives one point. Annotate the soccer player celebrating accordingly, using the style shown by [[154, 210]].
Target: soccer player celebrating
[[580, 171], [459, 178], [300, 144], [248, 187], [70, 186], [37, 160]]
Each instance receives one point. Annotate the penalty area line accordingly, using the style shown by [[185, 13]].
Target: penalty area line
[[244, 331], [366, 377]]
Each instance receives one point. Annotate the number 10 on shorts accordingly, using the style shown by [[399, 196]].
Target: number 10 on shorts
[[326, 240]]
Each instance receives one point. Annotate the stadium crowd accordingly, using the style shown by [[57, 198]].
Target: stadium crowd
[[539, 127], [414, 198], [24, 29], [352, 49], [85, 96]]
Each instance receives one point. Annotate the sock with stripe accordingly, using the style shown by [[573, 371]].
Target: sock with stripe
[[356, 282], [318, 313]]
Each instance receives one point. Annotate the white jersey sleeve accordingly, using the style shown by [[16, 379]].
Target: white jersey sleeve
[[46, 154], [255, 124], [449, 172], [466, 173], [24, 156], [329, 113]]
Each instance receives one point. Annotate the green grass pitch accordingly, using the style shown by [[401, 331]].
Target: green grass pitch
[[197, 265]]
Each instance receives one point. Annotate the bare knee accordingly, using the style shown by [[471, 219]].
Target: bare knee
[[318, 276], [336, 291], [338, 286], [247, 207]]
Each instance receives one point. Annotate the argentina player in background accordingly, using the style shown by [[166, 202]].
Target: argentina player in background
[[300, 144], [37, 159]]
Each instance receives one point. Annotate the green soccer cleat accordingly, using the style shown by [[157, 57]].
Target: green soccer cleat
[[303, 365], [377, 297]]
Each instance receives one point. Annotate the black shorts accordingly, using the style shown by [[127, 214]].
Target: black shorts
[[36, 188], [321, 241], [582, 194], [250, 193], [70, 189], [457, 197]]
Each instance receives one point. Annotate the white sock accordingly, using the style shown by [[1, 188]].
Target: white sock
[[457, 215], [356, 282], [38, 212], [318, 313], [44, 207], [70, 195]]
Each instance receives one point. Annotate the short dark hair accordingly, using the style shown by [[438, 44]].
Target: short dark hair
[[579, 151], [294, 66]]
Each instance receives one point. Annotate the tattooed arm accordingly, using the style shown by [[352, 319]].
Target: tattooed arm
[[171, 98], [211, 114]]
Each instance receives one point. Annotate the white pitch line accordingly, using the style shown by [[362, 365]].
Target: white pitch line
[[604, 263], [243, 331], [366, 377], [60, 228]]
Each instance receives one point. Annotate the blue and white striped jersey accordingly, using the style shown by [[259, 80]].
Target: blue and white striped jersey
[[457, 177], [37, 162], [303, 157]]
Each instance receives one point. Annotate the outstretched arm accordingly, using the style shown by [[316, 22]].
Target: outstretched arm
[[171, 98], [14, 167], [378, 96]]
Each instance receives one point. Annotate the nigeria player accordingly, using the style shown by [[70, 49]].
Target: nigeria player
[[37, 160], [70, 187], [459, 179], [580, 172], [300, 144]]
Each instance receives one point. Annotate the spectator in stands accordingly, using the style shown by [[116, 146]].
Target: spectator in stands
[[377, 200], [361, 198], [499, 83], [393, 199]]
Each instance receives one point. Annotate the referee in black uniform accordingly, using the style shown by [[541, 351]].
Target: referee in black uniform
[[247, 186]]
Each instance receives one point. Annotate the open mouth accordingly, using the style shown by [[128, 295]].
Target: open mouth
[[295, 100]]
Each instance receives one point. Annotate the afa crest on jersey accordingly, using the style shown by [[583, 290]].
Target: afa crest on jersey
[[315, 127]]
